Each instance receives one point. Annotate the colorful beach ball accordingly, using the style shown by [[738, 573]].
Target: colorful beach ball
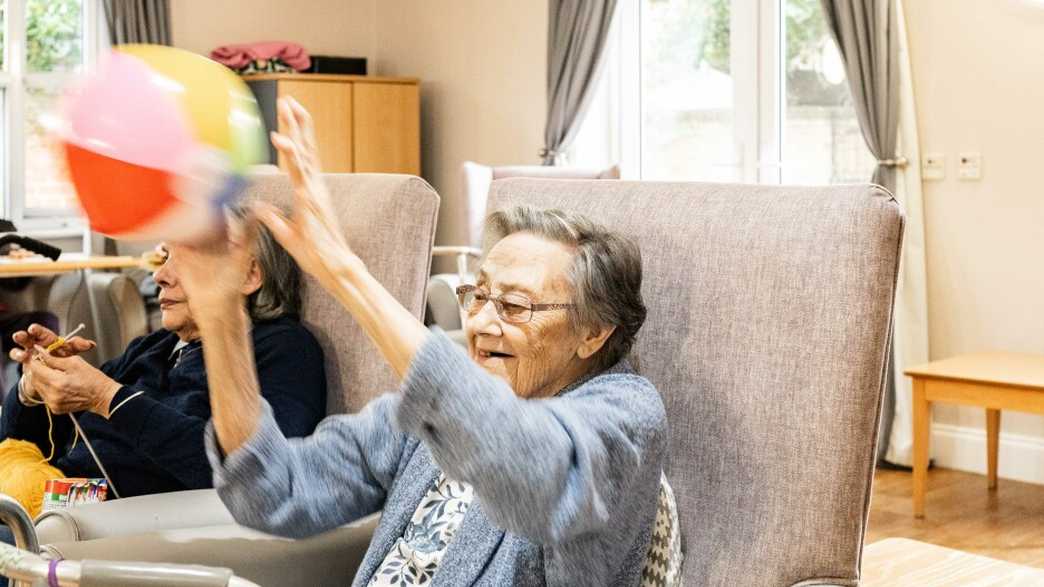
[[157, 142]]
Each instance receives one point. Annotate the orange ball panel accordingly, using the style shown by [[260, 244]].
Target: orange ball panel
[[117, 196]]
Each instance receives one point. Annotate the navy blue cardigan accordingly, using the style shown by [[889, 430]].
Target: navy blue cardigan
[[154, 443]]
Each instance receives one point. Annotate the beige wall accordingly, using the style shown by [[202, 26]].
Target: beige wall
[[482, 71], [323, 27], [481, 66], [978, 72]]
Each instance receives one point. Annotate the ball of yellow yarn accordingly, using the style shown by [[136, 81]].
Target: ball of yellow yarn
[[24, 473]]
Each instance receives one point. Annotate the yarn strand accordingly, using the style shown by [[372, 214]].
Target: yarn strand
[[50, 434]]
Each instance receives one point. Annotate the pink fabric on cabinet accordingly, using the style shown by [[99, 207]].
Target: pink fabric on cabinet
[[239, 56]]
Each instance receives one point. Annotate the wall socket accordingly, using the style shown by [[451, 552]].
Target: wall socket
[[933, 167], [969, 166]]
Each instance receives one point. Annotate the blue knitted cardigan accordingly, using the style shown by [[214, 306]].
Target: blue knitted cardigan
[[565, 487]]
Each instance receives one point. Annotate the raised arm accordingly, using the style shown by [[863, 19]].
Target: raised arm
[[213, 274], [295, 487], [550, 469], [312, 236], [299, 487]]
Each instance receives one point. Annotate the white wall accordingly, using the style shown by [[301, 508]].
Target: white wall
[[483, 76], [978, 72], [323, 27]]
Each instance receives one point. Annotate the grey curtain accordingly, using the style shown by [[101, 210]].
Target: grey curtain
[[867, 34], [138, 21], [576, 33]]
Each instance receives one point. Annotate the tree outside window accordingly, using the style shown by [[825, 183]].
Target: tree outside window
[[689, 95], [54, 37]]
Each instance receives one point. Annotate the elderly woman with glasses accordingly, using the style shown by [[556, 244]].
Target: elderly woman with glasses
[[533, 458]]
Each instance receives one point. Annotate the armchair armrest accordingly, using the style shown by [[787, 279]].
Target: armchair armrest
[[133, 515], [328, 559]]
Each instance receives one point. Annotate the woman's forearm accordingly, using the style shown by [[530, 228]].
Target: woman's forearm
[[229, 354], [235, 396], [396, 332]]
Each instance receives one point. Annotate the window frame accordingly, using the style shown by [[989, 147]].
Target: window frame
[[15, 82], [757, 52]]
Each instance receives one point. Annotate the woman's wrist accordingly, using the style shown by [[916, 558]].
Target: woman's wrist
[[349, 269], [26, 396], [109, 391]]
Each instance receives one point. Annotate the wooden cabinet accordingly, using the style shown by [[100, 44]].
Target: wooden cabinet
[[363, 123]]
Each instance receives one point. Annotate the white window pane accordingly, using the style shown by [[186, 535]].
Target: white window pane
[[822, 142], [687, 91], [46, 184], [54, 35], [592, 146]]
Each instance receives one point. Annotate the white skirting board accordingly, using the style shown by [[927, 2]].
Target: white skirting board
[[958, 447]]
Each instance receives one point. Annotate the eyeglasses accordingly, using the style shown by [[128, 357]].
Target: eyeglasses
[[511, 307]]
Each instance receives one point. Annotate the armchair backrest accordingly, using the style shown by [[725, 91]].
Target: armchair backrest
[[769, 318], [478, 177], [389, 221]]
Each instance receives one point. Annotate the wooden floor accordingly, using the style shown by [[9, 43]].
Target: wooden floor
[[1006, 524]]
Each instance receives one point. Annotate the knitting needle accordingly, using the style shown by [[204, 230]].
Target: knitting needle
[[94, 455], [57, 344]]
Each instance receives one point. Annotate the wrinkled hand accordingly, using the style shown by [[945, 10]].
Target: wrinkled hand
[[311, 234], [70, 384], [37, 335], [212, 273]]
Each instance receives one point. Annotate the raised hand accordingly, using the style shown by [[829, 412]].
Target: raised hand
[[311, 234], [219, 270]]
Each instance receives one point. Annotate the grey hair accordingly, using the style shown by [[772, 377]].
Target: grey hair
[[606, 273], [280, 291]]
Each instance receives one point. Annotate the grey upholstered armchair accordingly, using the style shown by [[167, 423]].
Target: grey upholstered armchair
[[389, 221], [769, 316]]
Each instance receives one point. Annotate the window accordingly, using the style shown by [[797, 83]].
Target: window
[[724, 90], [46, 43]]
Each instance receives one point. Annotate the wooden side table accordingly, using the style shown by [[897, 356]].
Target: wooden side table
[[900, 562], [995, 381]]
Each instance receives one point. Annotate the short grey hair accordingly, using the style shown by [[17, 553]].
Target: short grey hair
[[606, 273], [281, 279]]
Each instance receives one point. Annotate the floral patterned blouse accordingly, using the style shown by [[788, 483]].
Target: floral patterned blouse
[[415, 556]]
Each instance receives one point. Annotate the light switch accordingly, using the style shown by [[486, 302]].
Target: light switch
[[969, 166], [933, 166]]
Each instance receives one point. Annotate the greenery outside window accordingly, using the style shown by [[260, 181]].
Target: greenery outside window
[[46, 44], [724, 90]]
